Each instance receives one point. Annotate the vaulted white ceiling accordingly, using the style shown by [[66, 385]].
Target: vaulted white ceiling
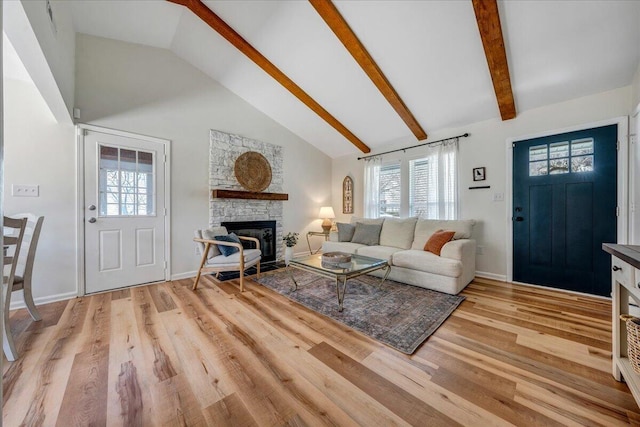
[[430, 51]]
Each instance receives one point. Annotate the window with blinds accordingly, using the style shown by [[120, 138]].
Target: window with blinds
[[432, 187], [390, 190]]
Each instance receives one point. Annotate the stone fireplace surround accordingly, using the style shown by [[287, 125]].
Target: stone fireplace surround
[[224, 149]]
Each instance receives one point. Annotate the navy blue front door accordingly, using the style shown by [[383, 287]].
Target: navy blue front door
[[564, 208]]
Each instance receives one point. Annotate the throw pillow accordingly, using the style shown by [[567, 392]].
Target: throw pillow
[[438, 240], [210, 234], [228, 250], [345, 231], [367, 234]]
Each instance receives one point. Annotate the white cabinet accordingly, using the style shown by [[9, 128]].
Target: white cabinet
[[625, 286]]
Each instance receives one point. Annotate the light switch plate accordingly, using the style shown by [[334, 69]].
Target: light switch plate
[[25, 190]]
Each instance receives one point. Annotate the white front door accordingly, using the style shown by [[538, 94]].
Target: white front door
[[124, 211]]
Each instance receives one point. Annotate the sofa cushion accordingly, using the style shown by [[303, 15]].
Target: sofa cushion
[[210, 234], [380, 252], [398, 232], [345, 231], [367, 234], [356, 219], [426, 227], [228, 250], [426, 261], [347, 247], [438, 240], [250, 255]]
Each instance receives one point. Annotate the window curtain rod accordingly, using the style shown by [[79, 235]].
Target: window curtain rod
[[464, 135]]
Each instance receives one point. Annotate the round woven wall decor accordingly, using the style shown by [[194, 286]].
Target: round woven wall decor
[[253, 171]]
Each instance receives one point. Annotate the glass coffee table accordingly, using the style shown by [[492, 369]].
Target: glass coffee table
[[358, 266]]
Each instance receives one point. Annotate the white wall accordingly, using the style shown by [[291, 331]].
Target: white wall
[[487, 147], [153, 92], [47, 51], [40, 151]]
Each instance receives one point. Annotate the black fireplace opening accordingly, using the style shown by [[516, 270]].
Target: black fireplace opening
[[264, 231]]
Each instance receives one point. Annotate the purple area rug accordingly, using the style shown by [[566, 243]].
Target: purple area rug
[[398, 315]]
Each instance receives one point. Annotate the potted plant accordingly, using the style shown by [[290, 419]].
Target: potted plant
[[290, 239]]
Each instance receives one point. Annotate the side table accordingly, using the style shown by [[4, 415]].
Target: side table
[[316, 233]]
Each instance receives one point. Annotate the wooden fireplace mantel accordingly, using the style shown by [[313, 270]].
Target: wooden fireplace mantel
[[237, 194]]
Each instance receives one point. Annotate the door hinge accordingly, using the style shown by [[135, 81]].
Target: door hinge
[[617, 145], [617, 211]]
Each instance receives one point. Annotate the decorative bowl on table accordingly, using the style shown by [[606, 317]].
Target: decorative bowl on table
[[335, 259]]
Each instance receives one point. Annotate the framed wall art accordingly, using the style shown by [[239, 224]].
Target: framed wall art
[[347, 195], [479, 174]]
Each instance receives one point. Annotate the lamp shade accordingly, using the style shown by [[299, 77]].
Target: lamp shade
[[326, 212]]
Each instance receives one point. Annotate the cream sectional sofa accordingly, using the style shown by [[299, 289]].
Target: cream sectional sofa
[[402, 242]]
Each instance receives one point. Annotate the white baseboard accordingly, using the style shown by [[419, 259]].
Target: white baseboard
[[493, 276], [187, 275], [17, 304]]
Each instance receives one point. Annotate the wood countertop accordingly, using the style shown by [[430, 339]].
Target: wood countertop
[[628, 253]]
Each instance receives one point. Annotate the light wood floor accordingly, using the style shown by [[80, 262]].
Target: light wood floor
[[164, 355]]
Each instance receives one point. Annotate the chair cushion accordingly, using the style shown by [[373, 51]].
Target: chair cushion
[[228, 250], [438, 240], [345, 231], [426, 261], [233, 260], [398, 232]]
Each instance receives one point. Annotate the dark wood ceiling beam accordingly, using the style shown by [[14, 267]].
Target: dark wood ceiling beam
[[488, 20], [330, 14], [214, 21]]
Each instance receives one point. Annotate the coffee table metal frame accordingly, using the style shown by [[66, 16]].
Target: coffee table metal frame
[[358, 266]]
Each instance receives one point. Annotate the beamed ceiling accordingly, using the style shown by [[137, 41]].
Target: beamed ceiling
[[357, 76]]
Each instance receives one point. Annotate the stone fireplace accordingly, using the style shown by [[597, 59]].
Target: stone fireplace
[[224, 149]]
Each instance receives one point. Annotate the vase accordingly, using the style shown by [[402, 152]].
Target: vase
[[288, 254]]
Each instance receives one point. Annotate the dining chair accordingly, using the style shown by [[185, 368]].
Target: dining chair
[[13, 233], [24, 270]]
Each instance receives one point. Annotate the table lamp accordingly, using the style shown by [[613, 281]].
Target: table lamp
[[326, 213]]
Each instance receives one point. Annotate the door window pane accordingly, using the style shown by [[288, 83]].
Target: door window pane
[[126, 180], [557, 166], [582, 164], [538, 168], [558, 150], [538, 152], [581, 146]]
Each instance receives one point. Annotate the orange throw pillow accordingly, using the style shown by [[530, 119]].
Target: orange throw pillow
[[438, 240]]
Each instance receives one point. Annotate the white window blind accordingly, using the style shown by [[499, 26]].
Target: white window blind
[[390, 190]]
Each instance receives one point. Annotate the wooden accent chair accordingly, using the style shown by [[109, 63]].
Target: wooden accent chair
[[13, 233], [213, 261]]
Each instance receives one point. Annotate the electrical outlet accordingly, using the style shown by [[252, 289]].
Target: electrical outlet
[[480, 250], [25, 190], [498, 197]]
